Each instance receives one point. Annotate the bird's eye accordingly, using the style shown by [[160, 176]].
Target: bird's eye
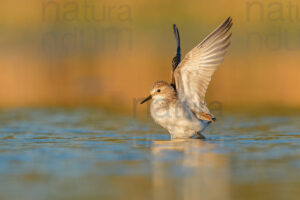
[[158, 90]]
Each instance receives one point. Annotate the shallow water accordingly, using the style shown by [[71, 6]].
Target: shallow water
[[93, 154]]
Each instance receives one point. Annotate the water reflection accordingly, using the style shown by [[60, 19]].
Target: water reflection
[[93, 154], [201, 172]]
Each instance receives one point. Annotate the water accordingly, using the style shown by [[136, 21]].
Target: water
[[93, 154]]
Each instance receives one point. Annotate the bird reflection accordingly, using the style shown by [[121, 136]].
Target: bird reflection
[[189, 169]]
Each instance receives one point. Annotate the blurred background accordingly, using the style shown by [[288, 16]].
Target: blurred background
[[109, 53], [73, 73]]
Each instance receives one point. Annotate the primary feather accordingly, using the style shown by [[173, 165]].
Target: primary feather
[[193, 74]]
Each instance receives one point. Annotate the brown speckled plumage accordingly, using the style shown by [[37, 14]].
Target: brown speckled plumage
[[180, 106]]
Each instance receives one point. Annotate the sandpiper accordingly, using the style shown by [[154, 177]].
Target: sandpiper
[[180, 106]]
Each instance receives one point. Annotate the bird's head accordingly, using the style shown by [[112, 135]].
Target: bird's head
[[161, 90]]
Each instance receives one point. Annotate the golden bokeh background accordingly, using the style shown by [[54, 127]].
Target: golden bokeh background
[[108, 53]]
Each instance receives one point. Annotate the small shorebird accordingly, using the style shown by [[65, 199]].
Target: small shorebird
[[180, 106]]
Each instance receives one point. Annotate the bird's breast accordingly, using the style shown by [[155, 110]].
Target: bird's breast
[[174, 115], [160, 111]]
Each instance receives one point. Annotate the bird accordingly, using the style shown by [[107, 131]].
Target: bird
[[180, 106]]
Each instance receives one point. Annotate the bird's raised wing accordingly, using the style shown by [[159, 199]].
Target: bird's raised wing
[[176, 60], [193, 74]]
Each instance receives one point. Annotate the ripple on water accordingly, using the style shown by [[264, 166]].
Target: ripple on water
[[62, 153]]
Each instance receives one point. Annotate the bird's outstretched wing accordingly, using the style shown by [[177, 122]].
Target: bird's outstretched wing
[[193, 74], [176, 60]]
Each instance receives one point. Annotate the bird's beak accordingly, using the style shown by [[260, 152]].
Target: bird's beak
[[147, 99]]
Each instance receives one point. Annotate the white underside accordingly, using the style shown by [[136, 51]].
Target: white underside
[[177, 119]]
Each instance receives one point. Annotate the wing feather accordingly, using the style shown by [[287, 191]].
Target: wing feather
[[193, 74], [176, 60]]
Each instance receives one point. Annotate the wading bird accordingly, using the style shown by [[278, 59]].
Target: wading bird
[[180, 106]]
